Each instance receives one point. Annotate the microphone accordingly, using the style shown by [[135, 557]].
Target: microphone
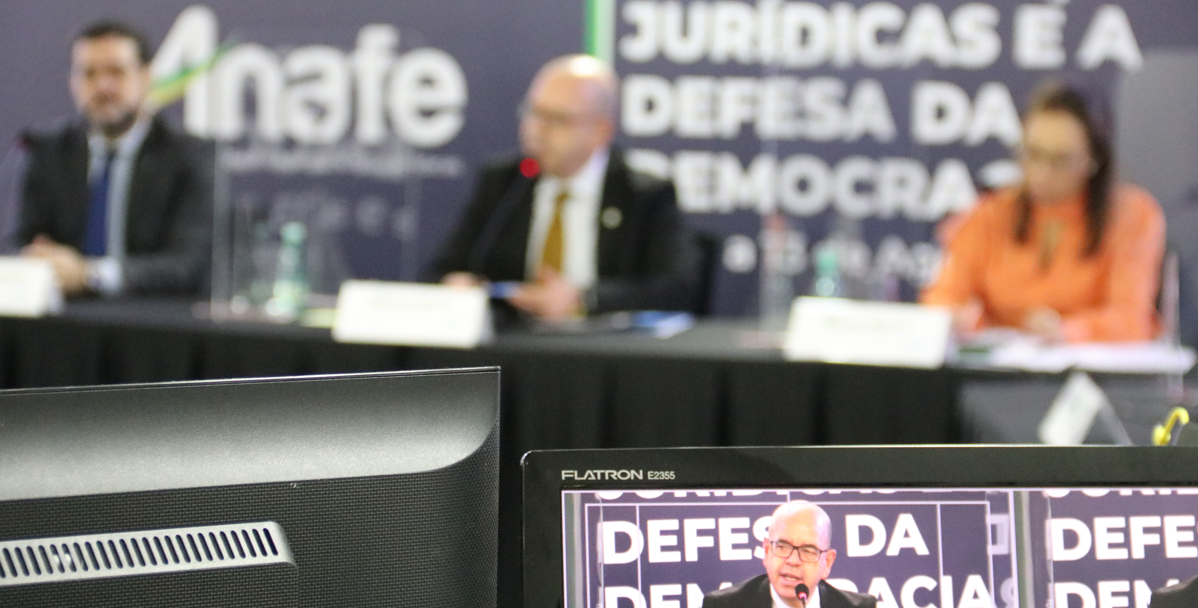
[[801, 593], [529, 170]]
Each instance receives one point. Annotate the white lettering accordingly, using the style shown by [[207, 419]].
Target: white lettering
[[1107, 591], [975, 594], [692, 541], [659, 593], [613, 595], [642, 45], [914, 584], [657, 541], [906, 536], [1139, 537], [730, 537], [1105, 537], [608, 533], [1062, 591], [1110, 38], [1038, 37], [854, 547], [1057, 528], [1178, 530]]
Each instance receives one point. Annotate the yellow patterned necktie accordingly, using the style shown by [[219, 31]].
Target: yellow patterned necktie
[[554, 250]]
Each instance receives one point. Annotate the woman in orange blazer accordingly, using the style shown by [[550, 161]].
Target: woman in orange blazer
[[1069, 254]]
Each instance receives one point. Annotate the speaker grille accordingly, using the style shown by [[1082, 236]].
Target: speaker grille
[[91, 556]]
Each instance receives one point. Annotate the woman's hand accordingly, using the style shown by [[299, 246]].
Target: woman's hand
[[1045, 323]]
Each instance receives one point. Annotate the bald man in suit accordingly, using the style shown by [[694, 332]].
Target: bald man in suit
[[797, 551], [568, 222]]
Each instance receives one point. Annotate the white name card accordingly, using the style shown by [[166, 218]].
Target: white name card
[[1073, 411], [28, 288], [836, 330], [412, 314]]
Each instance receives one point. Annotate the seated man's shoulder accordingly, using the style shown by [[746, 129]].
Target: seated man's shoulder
[[639, 178], [51, 132], [166, 130], [1181, 594], [831, 597], [742, 595], [504, 167], [648, 182]]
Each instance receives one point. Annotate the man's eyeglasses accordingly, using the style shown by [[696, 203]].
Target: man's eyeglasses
[[555, 120], [807, 553]]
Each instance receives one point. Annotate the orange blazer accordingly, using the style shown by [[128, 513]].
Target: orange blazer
[[1108, 296]]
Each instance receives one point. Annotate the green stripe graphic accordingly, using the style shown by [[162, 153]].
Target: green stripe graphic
[[599, 32]]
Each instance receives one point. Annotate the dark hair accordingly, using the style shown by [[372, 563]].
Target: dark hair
[[1089, 107], [104, 29]]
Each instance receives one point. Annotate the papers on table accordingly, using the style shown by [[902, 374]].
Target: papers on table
[[1010, 350]]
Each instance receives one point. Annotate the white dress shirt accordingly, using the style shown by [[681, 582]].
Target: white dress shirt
[[812, 598], [105, 274], [580, 221]]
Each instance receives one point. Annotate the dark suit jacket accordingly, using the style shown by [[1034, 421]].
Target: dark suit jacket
[[168, 227], [1181, 595], [644, 262], [755, 593]]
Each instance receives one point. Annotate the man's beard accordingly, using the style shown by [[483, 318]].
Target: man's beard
[[118, 126]]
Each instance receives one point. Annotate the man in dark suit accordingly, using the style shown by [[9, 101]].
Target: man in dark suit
[[569, 223], [1181, 595], [116, 200], [797, 551]]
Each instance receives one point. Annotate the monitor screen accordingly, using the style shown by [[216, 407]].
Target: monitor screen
[[341, 490], [919, 527]]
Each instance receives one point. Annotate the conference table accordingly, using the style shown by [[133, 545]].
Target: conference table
[[720, 383], [707, 386]]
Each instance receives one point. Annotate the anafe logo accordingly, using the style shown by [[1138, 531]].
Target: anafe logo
[[316, 94]]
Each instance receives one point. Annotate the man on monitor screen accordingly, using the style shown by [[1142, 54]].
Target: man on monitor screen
[[570, 228], [798, 557]]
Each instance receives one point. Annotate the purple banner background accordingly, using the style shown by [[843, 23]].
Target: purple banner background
[[936, 535], [1115, 546], [498, 48]]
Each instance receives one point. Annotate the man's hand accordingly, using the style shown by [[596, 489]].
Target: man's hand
[[461, 279], [551, 297], [69, 266]]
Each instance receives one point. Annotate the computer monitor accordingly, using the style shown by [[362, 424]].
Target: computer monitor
[[915, 527], [340, 490]]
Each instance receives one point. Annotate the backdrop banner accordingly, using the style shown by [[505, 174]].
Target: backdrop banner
[[851, 125]]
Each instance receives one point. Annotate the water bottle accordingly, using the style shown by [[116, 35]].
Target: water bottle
[[776, 283], [289, 294], [828, 282]]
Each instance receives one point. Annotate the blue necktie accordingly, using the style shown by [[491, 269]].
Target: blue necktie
[[95, 243]]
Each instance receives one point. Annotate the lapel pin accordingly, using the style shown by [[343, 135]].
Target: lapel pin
[[611, 218]]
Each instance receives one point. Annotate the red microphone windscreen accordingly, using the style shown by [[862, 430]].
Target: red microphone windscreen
[[530, 168]]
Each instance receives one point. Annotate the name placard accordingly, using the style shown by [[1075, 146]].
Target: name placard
[[28, 288], [412, 314], [1073, 411], [835, 330]]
